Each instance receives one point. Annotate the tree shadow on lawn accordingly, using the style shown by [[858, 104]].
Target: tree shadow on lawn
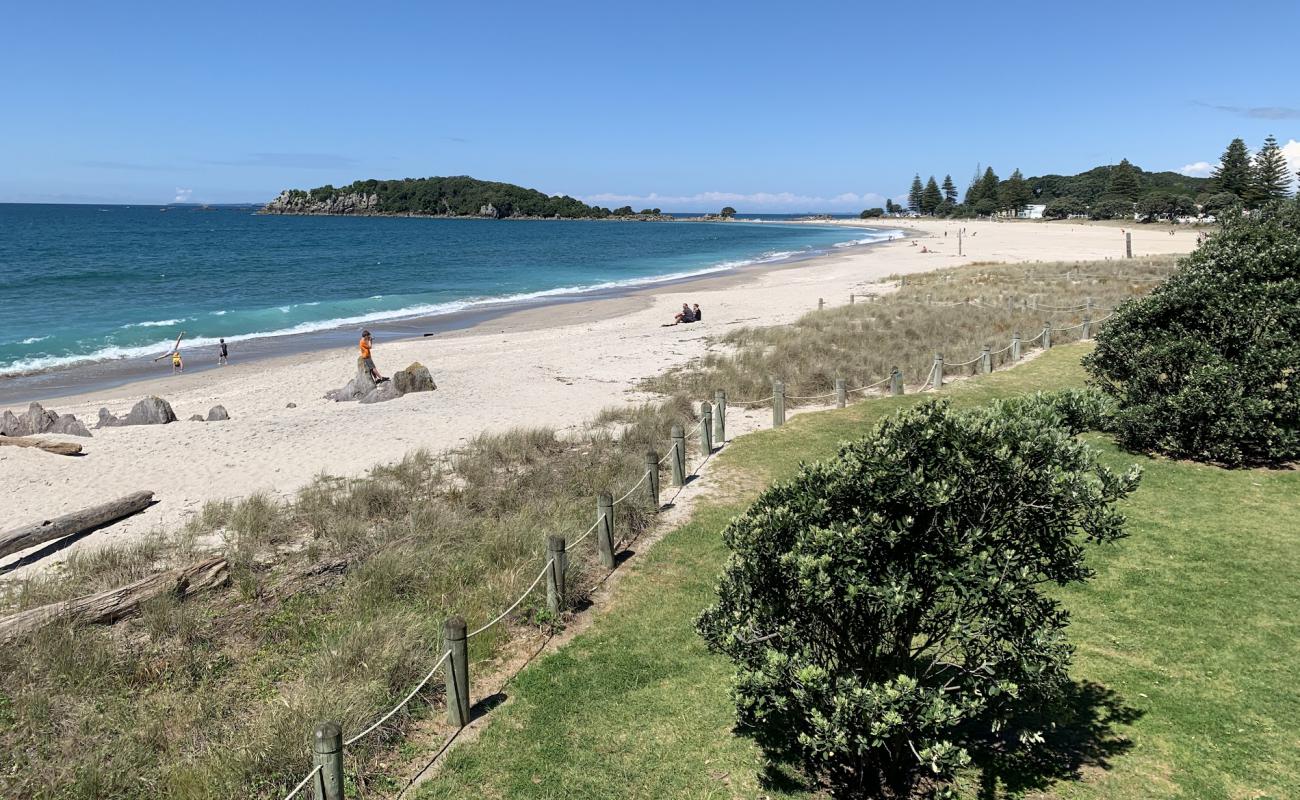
[[1079, 732]]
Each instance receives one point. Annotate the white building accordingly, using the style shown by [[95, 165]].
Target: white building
[[1034, 211]]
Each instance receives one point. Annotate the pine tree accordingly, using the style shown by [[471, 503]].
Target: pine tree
[[931, 197], [973, 188], [1233, 175], [988, 186], [1014, 193], [1124, 181], [949, 189], [1272, 179], [914, 195]]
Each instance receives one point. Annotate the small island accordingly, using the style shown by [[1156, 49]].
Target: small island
[[450, 197]]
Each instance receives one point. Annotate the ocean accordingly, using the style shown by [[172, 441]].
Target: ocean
[[85, 284]]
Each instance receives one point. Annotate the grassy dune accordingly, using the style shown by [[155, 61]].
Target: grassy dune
[[1187, 648]]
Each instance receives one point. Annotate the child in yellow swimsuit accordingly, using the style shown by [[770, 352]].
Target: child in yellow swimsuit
[[177, 364]]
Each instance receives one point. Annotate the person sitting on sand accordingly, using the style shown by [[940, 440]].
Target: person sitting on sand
[[222, 353], [366, 343], [699, 315], [177, 364], [685, 315]]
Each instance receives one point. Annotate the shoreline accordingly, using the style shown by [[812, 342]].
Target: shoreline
[[555, 366], [95, 376]]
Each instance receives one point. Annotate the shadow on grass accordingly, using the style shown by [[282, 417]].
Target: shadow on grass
[[1080, 732]]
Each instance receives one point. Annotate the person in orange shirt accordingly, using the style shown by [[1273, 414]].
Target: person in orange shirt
[[366, 343]]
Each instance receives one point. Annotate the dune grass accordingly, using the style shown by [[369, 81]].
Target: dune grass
[[335, 611], [954, 311], [1186, 648]]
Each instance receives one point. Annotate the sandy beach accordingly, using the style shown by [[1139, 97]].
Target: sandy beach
[[552, 366]]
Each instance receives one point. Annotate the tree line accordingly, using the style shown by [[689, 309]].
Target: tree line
[[1118, 191], [463, 196]]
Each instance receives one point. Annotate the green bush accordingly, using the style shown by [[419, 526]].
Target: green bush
[[885, 609], [1205, 367]]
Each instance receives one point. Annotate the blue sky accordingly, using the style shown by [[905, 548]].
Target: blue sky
[[687, 106]]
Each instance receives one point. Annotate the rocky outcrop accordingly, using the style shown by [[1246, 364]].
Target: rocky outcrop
[[415, 378], [149, 411], [217, 414], [37, 419], [299, 202], [196, 418]]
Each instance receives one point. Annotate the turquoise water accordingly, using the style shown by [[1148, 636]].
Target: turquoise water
[[88, 284]]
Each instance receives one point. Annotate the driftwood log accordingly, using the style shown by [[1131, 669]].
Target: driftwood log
[[74, 523], [115, 604], [57, 448]]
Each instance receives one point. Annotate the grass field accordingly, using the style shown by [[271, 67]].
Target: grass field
[[1187, 659]]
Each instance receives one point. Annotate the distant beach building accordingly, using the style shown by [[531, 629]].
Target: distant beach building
[[1033, 211]]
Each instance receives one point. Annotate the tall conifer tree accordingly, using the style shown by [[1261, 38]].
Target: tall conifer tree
[[931, 197], [1124, 181], [949, 189], [988, 186], [1233, 175], [914, 195], [1272, 179], [1014, 193]]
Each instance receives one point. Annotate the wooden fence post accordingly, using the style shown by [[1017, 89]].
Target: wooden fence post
[[936, 381], [841, 393], [453, 635], [1128, 244], [929, 298], [852, 298], [679, 456], [559, 560], [821, 303], [1015, 346], [605, 528], [1087, 328], [652, 477], [986, 359], [706, 428], [1047, 334], [327, 753], [720, 417], [778, 404], [895, 382]]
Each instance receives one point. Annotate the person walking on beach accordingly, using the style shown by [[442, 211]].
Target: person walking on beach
[[366, 343], [177, 364], [222, 353]]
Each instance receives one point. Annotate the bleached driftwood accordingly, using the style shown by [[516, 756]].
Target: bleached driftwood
[[116, 604], [74, 523], [58, 448]]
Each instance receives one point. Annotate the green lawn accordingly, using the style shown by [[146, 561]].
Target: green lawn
[[1188, 654]]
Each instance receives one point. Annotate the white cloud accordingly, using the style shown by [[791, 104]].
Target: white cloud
[[1291, 152], [183, 195], [1199, 169], [775, 202]]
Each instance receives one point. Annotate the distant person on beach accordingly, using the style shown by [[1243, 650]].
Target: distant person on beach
[[685, 315], [177, 364], [699, 315], [366, 343], [222, 354]]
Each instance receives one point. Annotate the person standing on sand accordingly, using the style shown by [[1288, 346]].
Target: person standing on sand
[[222, 354], [177, 364], [367, 341]]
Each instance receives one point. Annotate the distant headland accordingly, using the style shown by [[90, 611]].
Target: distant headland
[[450, 197]]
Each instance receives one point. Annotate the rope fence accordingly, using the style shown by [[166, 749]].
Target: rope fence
[[328, 746]]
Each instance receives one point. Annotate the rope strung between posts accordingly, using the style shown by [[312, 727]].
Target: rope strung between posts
[[871, 385], [1036, 338], [962, 364], [515, 605], [1061, 308], [305, 781], [731, 402], [599, 520], [398, 707], [1000, 352], [644, 475], [809, 397]]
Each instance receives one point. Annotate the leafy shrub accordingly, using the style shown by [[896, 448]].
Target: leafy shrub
[[884, 609], [1063, 207], [1205, 367], [1111, 207]]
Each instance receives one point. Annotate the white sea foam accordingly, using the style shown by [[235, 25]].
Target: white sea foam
[[157, 323], [29, 365], [33, 339]]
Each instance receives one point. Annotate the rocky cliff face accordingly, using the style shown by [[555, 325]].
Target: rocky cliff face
[[290, 202]]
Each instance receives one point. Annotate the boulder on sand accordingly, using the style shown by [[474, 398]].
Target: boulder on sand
[[415, 378], [196, 418], [217, 414], [358, 387], [384, 391], [152, 410], [107, 419], [38, 420]]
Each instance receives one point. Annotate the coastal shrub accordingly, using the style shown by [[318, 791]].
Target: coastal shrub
[[885, 609], [1206, 366]]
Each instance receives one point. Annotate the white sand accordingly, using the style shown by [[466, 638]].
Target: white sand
[[558, 367]]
